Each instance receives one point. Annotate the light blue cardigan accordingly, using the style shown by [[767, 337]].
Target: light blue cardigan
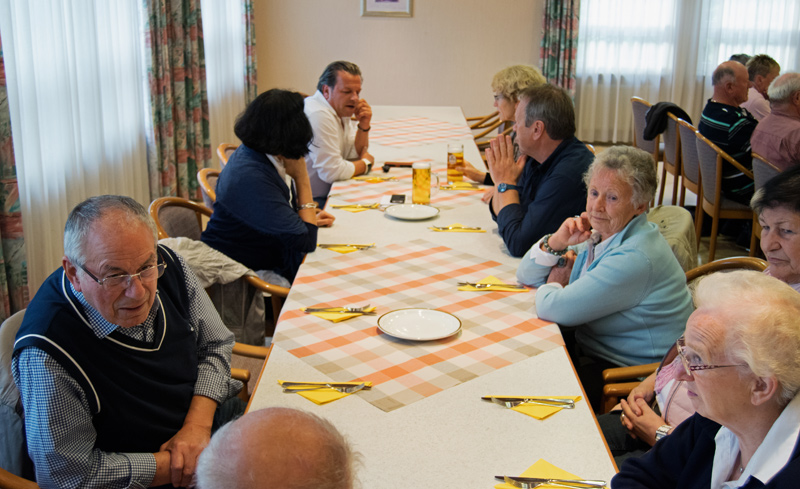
[[632, 303]]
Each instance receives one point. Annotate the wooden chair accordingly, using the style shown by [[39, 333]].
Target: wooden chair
[[11, 481], [224, 152], [640, 108], [714, 203], [590, 147], [176, 217], [690, 171], [13, 456], [620, 381], [763, 172], [207, 178], [672, 158]]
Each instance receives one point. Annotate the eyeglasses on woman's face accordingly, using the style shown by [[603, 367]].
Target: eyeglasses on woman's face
[[690, 359]]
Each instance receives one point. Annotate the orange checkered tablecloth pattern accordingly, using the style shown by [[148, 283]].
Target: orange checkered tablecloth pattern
[[365, 192], [415, 131], [498, 328]]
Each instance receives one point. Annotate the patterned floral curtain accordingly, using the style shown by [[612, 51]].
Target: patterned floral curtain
[[250, 65], [178, 99], [13, 263], [560, 42]]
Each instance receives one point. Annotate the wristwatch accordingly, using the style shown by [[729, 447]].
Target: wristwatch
[[507, 186], [662, 431]]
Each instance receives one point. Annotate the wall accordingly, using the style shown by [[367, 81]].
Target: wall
[[446, 54]]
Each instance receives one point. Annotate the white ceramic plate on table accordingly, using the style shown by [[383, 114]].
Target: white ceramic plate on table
[[419, 324], [411, 212]]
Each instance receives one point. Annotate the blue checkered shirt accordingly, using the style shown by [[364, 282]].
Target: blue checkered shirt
[[58, 420]]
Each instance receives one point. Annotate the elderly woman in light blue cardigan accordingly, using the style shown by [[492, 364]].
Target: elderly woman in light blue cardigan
[[610, 273]]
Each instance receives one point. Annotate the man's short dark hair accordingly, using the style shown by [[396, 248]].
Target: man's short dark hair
[[275, 124], [331, 73], [551, 105], [761, 64], [741, 57], [782, 190]]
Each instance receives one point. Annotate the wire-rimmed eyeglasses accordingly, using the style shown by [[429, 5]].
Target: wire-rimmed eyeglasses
[[123, 281], [688, 367]]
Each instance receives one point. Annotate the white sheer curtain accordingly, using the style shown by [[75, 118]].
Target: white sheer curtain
[[74, 75], [223, 34], [666, 51]]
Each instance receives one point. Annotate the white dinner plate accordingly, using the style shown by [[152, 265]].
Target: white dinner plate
[[411, 212], [419, 324]]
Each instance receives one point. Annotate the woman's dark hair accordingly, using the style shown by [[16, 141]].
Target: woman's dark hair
[[782, 190], [275, 124]]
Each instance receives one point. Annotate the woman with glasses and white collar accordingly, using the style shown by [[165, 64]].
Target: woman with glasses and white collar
[[740, 362], [777, 205], [626, 293]]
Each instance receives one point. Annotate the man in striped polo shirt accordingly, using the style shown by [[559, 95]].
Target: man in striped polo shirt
[[730, 126]]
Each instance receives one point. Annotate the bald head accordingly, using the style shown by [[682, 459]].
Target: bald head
[[731, 82], [276, 448]]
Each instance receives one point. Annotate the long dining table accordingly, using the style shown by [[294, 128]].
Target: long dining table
[[423, 423]]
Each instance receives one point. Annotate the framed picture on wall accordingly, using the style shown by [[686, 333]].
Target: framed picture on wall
[[386, 8]]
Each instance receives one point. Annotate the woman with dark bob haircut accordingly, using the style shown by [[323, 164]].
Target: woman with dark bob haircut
[[265, 216]]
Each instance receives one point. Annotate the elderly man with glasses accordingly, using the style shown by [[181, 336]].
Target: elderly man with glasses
[[122, 363], [739, 361]]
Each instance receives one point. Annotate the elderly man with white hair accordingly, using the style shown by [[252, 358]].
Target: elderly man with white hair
[[742, 370], [777, 136], [277, 448]]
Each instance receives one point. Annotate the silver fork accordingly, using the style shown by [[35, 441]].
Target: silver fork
[[544, 401], [345, 390], [489, 286], [531, 485], [360, 310]]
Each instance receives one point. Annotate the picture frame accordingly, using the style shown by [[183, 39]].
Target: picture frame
[[386, 8]]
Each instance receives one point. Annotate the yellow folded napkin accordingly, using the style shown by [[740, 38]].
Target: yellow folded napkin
[[491, 280], [537, 410], [326, 395], [344, 248], [336, 317], [456, 225], [460, 186], [372, 178], [542, 469]]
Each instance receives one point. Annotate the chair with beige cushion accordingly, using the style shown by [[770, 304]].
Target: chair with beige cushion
[[176, 217], [640, 108], [672, 159], [712, 159], [690, 172], [763, 172], [224, 151], [207, 178], [620, 381], [13, 455], [677, 227]]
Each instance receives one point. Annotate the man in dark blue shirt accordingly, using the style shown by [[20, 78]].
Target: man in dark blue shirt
[[730, 126], [536, 193]]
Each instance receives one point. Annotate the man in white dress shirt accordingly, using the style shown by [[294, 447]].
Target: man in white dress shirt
[[339, 148]]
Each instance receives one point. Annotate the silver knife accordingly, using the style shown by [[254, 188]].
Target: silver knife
[[548, 400], [292, 385], [539, 480]]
